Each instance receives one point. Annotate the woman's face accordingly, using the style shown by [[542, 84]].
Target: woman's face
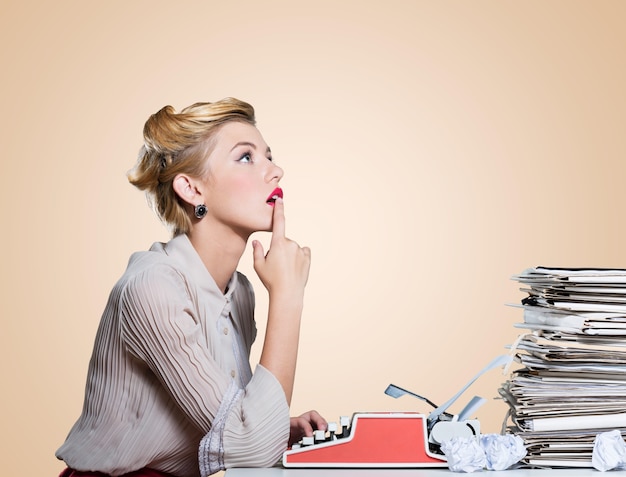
[[241, 181]]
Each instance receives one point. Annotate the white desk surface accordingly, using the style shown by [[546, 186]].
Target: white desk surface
[[295, 472]]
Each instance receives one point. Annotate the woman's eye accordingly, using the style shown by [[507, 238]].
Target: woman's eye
[[246, 158]]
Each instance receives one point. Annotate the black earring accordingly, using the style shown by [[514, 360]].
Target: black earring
[[200, 210]]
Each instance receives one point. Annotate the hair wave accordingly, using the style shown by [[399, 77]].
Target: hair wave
[[178, 143]]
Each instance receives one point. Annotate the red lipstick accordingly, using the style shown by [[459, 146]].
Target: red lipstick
[[276, 193]]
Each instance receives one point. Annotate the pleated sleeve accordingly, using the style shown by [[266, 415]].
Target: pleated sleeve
[[162, 325]]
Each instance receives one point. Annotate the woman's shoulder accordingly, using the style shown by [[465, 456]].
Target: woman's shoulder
[[151, 262], [151, 269], [159, 257]]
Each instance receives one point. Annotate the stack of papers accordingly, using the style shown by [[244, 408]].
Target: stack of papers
[[572, 382]]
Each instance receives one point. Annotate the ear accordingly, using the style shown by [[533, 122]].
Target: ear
[[185, 187]]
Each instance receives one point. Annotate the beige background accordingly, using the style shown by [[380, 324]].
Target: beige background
[[432, 149]]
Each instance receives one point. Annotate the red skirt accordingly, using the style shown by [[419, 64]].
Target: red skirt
[[145, 472]]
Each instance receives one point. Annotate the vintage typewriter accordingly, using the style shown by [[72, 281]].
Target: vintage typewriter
[[390, 439]]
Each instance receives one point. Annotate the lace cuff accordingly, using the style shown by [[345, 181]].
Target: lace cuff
[[211, 450]]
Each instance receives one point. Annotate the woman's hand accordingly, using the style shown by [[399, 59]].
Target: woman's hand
[[304, 425], [285, 268], [284, 271]]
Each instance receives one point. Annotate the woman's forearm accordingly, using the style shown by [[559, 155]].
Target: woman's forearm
[[280, 348]]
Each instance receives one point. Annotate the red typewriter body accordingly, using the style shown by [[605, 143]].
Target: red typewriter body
[[394, 439]]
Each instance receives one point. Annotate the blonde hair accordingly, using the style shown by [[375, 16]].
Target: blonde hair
[[178, 143]]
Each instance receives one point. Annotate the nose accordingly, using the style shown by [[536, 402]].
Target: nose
[[274, 172]]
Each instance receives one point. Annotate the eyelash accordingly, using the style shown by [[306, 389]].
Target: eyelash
[[246, 155], [249, 156]]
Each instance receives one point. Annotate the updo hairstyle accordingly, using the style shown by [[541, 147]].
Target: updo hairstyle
[[178, 143]]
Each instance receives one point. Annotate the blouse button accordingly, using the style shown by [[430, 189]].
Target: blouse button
[[225, 331], [232, 373]]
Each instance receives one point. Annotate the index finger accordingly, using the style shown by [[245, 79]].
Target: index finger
[[278, 219]]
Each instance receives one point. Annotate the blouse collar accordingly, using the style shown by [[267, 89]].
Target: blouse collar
[[181, 249]]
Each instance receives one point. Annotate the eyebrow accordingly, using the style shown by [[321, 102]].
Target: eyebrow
[[250, 144]]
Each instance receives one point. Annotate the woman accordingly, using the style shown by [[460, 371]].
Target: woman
[[170, 390]]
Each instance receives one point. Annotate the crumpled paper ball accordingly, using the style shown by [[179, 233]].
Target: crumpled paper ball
[[464, 454], [609, 451], [490, 451], [502, 451]]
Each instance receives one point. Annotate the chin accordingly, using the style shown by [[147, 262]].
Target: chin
[[262, 228]]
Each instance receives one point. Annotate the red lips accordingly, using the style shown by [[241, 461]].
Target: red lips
[[276, 193]]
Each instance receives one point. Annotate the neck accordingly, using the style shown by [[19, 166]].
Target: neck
[[220, 253]]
